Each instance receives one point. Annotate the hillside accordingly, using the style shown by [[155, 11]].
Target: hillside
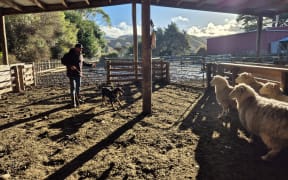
[[127, 40], [196, 42]]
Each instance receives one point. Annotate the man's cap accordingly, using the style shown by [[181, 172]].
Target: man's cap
[[78, 45]]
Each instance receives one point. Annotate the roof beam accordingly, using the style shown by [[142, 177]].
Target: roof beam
[[38, 3], [88, 3], [12, 4], [64, 3], [179, 2], [200, 4]]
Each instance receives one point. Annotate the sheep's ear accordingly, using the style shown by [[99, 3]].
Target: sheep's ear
[[242, 89]]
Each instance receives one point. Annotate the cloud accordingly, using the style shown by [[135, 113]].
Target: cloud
[[121, 29], [212, 30], [179, 19]]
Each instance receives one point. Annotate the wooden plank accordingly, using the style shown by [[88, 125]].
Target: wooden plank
[[4, 68], [2, 91], [121, 63], [123, 80], [122, 69], [5, 78], [135, 38], [146, 59], [121, 75], [247, 66], [5, 84], [3, 38]]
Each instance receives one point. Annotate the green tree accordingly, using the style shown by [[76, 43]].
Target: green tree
[[283, 20], [92, 14], [89, 34], [173, 42], [33, 37], [249, 22], [159, 42]]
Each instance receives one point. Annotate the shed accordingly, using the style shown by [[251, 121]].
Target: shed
[[244, 43]]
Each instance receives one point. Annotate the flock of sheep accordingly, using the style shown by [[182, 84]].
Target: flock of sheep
[[262, 109]]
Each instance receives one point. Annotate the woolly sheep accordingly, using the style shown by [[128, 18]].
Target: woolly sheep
[[248, 78], [272, 90], [222, 89], [264, 117]]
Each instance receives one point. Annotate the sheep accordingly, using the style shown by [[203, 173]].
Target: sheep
[[264, 117], [222, 89], [272, 90], [248, 78]]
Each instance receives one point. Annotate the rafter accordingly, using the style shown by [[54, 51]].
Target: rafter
[[12, 4], [88, 3], [179, 2], [38, 3], [255, 7], [200, 4], [64, 3]]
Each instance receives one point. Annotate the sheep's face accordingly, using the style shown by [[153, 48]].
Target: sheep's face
[[269, 88], [266, 89], [239, 91], [245, 77], [218, 81]]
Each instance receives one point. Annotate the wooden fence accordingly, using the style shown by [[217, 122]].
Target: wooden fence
[[262, 72], [5, 79], [128, 71], [16, 77]]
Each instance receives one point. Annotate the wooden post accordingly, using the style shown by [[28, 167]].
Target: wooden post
[[153, 71], [19, 78], [167, 72], [220, 70], [214, 69], [135, 39], [146, 58], [162, 69], [209, 73], [34, 74], [108, 66], [235, 72], [258, 38], [4, 40], [284, 82]]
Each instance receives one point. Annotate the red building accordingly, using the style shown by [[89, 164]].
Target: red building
[[245, 43]]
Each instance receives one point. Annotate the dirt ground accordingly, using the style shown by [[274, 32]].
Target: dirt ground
[[42, 138]]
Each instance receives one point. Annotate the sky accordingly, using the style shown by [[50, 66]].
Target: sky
[[198, 23]]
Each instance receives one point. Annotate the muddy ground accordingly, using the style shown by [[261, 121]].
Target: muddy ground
[[42, 138]]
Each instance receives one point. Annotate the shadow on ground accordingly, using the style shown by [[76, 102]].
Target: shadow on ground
[[224, 152]]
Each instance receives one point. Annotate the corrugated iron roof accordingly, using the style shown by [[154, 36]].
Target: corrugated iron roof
[[253, 7]]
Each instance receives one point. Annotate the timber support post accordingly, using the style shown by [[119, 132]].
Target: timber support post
[[108, 67], [146, 59], [284, 82], [4, 40]]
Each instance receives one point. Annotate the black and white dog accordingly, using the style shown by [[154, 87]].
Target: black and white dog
[[112, 94]]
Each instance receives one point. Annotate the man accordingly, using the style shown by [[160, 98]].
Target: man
[[74, 62]]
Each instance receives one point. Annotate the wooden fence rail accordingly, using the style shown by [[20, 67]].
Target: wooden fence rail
[[261, 72], [124, 71], [5, 79], [16, 77]]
